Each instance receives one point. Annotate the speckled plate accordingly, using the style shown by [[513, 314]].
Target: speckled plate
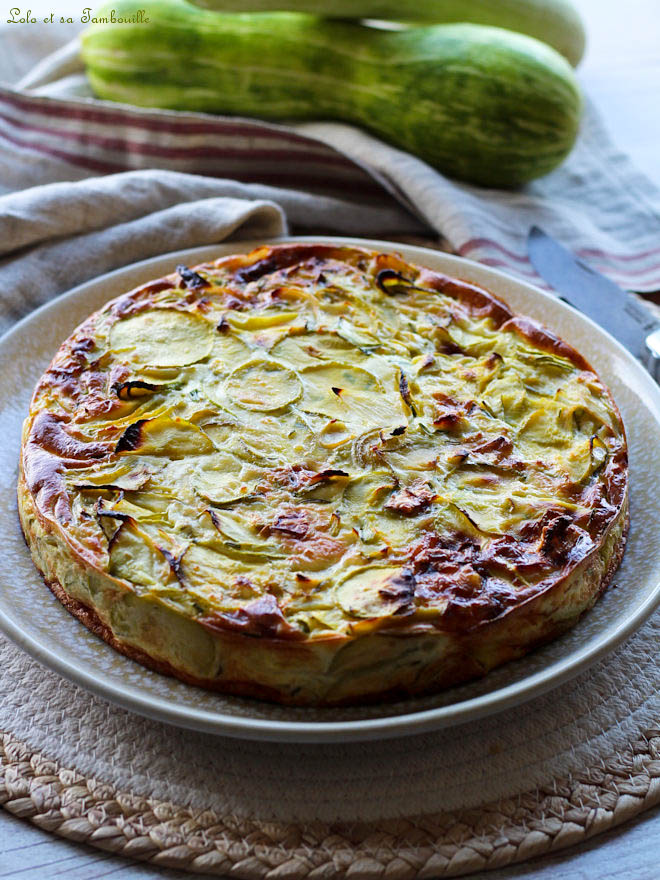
[[37, 622]]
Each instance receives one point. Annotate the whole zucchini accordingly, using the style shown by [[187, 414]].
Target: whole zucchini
[[556, 22], [478, 103]]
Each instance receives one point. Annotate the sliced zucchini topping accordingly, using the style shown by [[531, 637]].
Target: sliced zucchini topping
[[338, 438], [263, 386], [163, 338]]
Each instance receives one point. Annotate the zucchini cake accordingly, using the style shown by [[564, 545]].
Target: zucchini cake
[[319, 475]]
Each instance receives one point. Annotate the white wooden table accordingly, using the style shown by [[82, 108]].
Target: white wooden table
[[621, 73]]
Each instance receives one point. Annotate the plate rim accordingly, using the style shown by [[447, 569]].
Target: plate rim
[[222, 723]]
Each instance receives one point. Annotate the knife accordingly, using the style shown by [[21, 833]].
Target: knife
[[591, 293]]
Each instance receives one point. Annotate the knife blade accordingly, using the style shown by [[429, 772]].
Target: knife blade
[[615, 310]]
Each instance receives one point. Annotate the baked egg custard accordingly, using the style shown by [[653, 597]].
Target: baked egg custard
[[319, 474]]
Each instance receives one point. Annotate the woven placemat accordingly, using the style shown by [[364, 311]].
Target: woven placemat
[[510, 830]]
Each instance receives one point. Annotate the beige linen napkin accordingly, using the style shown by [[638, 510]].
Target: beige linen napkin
[[596, 202], [55, 236]]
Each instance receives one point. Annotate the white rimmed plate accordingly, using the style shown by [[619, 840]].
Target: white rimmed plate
[[38, 623]]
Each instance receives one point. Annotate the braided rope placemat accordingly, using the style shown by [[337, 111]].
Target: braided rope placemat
[[510, 830]]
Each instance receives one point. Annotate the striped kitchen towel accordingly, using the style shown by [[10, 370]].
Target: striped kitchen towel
[[53, 129]]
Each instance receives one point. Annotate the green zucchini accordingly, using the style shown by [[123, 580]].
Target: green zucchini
[[478, 103], [556, 22]]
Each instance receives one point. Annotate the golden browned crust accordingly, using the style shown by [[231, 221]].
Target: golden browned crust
[[572, 559], [94, 624], [463, 668]]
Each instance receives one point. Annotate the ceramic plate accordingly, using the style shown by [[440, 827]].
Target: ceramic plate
[[38, 623]]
